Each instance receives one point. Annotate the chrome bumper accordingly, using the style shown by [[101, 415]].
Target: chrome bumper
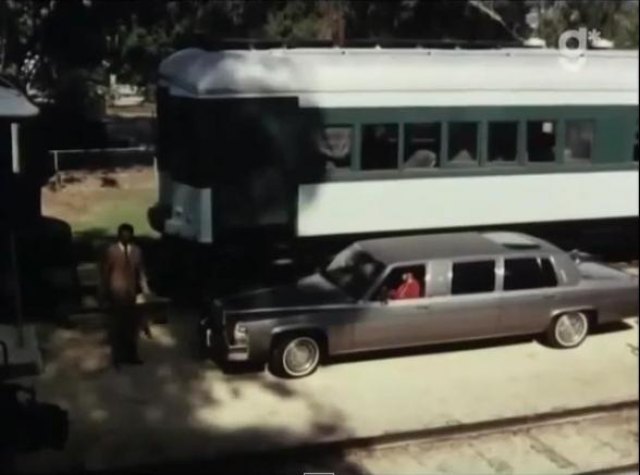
[[219, 345]]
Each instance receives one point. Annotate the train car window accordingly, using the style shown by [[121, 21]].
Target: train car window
[[422, 145], [335, 144], [473, 277], [579, 135], [541, 141], [503, 142], [635, 148], [463, 143], [379, 147], [528, 273]]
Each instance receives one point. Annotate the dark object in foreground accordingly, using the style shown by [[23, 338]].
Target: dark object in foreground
[[465, 286], [28, 425]]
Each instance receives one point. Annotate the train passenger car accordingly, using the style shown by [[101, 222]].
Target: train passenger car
[[351, 142]]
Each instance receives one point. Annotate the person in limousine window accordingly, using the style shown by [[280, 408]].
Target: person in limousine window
[[408, 289]]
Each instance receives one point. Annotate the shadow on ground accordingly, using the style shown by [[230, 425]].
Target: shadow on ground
[[170, 414]]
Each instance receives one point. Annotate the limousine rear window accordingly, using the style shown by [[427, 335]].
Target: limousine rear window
[[528, 273]]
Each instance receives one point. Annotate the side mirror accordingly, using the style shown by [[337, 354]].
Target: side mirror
[[383, 296]]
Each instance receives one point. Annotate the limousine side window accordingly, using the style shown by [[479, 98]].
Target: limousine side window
[[394, 281], [529, 273], [473, 277]]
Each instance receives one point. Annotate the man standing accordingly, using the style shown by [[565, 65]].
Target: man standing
[[122, 275]]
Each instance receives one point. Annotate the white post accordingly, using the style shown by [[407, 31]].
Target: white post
[[15, 148], [155, 169], [56, 167], [17, 286]]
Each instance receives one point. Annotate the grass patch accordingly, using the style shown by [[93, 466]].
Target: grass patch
[[95, 203], [115, 207]]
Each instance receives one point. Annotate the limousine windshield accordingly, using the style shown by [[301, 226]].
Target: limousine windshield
[[353, 270]]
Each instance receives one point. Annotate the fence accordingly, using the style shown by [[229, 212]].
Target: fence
[[96, 158]]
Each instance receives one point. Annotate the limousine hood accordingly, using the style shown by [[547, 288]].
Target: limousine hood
[[310, 291]]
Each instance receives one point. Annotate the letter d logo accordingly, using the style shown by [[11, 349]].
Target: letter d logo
[[573, 58]]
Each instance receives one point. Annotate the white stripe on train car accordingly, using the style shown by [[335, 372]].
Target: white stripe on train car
[[431, 203]]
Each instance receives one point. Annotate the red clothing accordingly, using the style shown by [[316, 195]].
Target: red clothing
[[407, 290]]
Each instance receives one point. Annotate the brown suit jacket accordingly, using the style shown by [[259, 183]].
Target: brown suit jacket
[[123, 274]]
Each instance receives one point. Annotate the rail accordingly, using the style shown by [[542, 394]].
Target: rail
[[628, 469], [319, 450], [390, 43]]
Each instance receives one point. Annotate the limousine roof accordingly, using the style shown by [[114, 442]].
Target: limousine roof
[[369, 77], [450, 245]]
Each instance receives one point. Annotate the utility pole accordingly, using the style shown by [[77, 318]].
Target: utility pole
[[338, 23], [16, 168], [17, 287]]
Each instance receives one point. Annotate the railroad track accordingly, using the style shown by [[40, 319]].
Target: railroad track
[[403, 451], [619, 470]]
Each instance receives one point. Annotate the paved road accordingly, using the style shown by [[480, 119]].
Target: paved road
[[176, 408]]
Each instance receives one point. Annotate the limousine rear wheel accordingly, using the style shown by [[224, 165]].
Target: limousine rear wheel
[[568, 330], [295, 356]]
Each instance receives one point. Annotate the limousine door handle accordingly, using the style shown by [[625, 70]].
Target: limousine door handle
[[423, 307]]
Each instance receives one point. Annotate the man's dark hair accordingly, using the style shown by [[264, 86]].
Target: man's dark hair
[[125, 227]]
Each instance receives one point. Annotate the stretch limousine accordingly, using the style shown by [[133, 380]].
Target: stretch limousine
[[418, 290]]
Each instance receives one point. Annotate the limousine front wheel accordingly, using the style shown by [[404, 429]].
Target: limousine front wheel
[[568, 330], [295, 356]]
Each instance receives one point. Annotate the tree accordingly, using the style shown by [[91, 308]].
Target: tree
[[615, 20], [20, 40]]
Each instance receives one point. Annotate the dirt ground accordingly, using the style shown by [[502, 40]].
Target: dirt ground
[[97, 201]]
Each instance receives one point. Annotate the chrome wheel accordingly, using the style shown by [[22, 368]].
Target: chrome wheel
[[571, 329], [301, 356]]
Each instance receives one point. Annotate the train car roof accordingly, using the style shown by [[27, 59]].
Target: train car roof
[[337, 77], [14, 104], [453, 245]]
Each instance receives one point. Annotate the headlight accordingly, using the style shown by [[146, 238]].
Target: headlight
[[240, 335]]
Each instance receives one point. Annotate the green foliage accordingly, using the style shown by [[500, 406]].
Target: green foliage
[[67, 48], [615, 20], [295, 20]]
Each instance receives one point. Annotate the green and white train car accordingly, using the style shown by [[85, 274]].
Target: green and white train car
[[345, 142]]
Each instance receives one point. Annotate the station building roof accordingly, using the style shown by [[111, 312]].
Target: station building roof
[[14, 104]]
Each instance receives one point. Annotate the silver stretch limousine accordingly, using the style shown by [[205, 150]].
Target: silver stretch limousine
[[418, 290]]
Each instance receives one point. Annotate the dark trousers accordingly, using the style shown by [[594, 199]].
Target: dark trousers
[[125, 325]]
